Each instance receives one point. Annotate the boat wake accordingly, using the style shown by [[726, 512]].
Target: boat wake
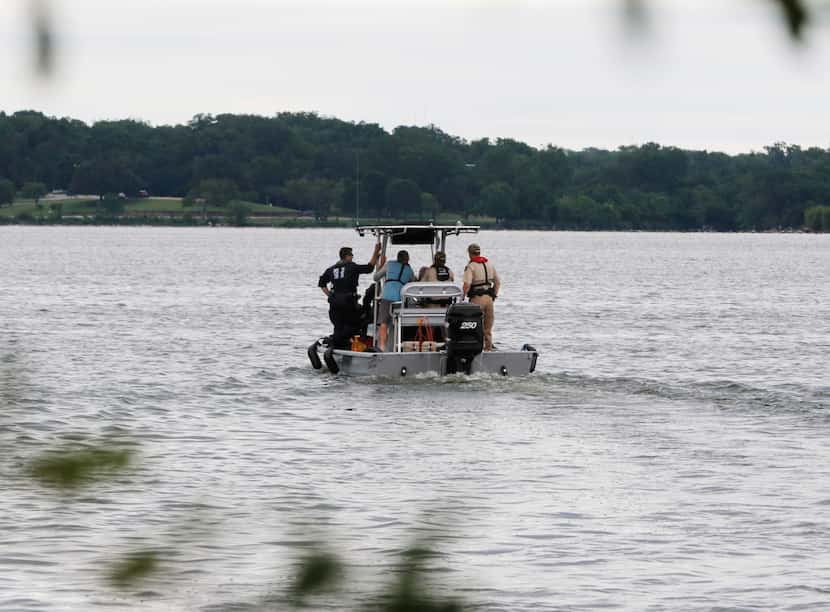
[[721, 394], [726, 394]]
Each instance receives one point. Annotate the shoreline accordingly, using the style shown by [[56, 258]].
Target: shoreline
[[293, 224], [157, 211]]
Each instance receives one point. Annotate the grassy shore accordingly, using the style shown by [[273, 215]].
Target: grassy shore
[[174, 211]]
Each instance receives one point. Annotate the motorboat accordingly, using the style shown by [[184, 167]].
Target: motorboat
[[433, 330]]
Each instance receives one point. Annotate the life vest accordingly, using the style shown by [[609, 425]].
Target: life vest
[[485, 288], [442, 273], [397, 275]]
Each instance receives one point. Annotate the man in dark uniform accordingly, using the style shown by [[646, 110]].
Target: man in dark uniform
[[342, 296]]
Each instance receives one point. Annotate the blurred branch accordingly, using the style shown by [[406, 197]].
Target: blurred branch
[[411, 593], [317, 572], [44, 37], [635, 14], [68, 469], [796, 15], [794, 12], [134, 567]]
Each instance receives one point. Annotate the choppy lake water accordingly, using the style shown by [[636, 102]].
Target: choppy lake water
[[672, 451]]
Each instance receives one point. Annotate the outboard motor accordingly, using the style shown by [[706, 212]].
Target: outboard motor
[[465, 336]]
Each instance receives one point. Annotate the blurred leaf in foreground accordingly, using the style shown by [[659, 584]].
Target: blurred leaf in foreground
[[317, 572], [636, 17], [133, 568], [44, 37], [411, 593], [796, 15], [74, 468]]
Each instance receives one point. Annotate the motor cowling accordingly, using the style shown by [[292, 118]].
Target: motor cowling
[[465, 336]]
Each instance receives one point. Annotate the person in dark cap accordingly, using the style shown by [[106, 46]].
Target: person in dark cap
[[481, 285], [342, 294], [395, 274]]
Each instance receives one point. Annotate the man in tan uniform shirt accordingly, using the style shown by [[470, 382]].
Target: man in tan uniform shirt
[[481, 285]]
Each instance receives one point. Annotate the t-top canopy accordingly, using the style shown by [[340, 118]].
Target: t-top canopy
[[416, 234], [424, 233]]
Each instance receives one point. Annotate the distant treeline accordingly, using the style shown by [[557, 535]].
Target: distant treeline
[[312, 163]]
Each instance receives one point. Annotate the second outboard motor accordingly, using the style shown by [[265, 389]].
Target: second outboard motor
[[465, 336]]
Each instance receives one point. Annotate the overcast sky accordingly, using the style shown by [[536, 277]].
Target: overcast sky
[[708, 74]]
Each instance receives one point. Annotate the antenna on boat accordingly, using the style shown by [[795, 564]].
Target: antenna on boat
[[357, 189]]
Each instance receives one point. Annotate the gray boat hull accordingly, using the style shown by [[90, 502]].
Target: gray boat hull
[[503, 363]]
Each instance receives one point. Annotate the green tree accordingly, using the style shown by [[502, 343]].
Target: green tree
[[113, 204], [430, 206], [499, 200], [7, 191], [105, 175], [215, 193], [238, 213], [457, 192], [264, 173], [817, 218], [651, 167], [649, 187], [709, 210], [33, 190], [426, 155], [317, 194], [403, 197], [584, 213], [349, 199], [375, 184], [56, 211], [654, 210]]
